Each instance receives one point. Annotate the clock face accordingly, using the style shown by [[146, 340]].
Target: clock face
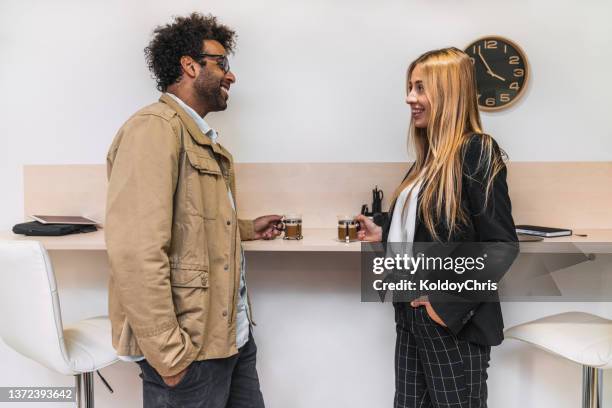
[[501, 71]]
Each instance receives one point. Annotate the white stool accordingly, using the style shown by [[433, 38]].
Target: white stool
[[580, 337], [31, 320]]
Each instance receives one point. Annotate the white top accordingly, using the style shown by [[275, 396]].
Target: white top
[[403, 222]]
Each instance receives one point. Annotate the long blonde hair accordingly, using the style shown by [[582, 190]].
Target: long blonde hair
[[450, 87]]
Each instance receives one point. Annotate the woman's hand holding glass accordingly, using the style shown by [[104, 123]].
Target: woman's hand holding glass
[[369, 231]]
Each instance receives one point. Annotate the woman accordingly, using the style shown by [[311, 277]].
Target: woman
[[455, 192]]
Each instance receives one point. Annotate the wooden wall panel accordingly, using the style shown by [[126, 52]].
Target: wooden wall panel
[[567, 194]]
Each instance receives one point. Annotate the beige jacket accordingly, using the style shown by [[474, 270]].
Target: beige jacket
[[173, 241]]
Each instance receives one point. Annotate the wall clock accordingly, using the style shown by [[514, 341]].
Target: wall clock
[[502, 71]]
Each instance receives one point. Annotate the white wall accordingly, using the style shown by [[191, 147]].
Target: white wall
[[318, 81]]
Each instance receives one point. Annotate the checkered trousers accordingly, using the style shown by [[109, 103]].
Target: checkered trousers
[[435, 369]]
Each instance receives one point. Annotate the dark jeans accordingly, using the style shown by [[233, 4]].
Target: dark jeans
[[220, 383]]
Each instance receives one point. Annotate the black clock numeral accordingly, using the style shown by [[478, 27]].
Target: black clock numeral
[[518, 72], [513, 60], [490, 44], [514, 86], [490, 101], [505, 49], [473, 60], [504, 97]]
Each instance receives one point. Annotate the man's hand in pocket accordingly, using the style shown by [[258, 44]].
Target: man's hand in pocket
[[172, 380]]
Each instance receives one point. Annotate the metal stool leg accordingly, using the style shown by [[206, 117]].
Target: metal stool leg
[[88, 386], [78, 390], [592, 383]]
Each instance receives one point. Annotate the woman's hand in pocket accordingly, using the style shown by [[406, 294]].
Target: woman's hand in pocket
[[369, 231], [423, 301]]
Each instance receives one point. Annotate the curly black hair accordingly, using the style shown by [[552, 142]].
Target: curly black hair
[[182, 37]]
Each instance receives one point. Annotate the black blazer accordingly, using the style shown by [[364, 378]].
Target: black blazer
[[475, 320]]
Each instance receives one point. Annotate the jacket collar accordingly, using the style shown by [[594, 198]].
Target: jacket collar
[[193, 129]]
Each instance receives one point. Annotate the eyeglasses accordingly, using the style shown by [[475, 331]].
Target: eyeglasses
[[221, 60]]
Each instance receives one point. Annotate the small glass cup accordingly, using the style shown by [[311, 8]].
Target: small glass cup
[[292, 225], [348, 228]]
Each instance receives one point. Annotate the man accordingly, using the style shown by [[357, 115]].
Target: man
[[178, 301]]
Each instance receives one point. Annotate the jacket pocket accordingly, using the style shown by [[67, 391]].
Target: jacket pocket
[[190, 297], [204, 184], [188, 276]]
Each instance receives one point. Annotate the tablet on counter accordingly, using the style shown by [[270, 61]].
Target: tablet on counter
[[64, 219]]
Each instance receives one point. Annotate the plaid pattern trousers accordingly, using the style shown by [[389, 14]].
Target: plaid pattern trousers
[[435, 369]]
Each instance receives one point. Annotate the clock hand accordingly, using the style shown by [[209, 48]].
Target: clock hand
[[497, 76], [484, 61], [489, 70]]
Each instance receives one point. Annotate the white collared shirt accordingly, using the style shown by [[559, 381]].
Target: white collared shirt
[[204, 127]]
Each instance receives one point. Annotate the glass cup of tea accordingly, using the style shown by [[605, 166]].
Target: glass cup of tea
[[292, 225], [347, 228]]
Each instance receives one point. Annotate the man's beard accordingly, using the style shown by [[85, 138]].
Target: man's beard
[[209, 92]]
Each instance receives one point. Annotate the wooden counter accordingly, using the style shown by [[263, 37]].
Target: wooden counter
[[315, 240]]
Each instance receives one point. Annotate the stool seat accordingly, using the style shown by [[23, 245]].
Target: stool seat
[[580, 337], [88, 344]]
